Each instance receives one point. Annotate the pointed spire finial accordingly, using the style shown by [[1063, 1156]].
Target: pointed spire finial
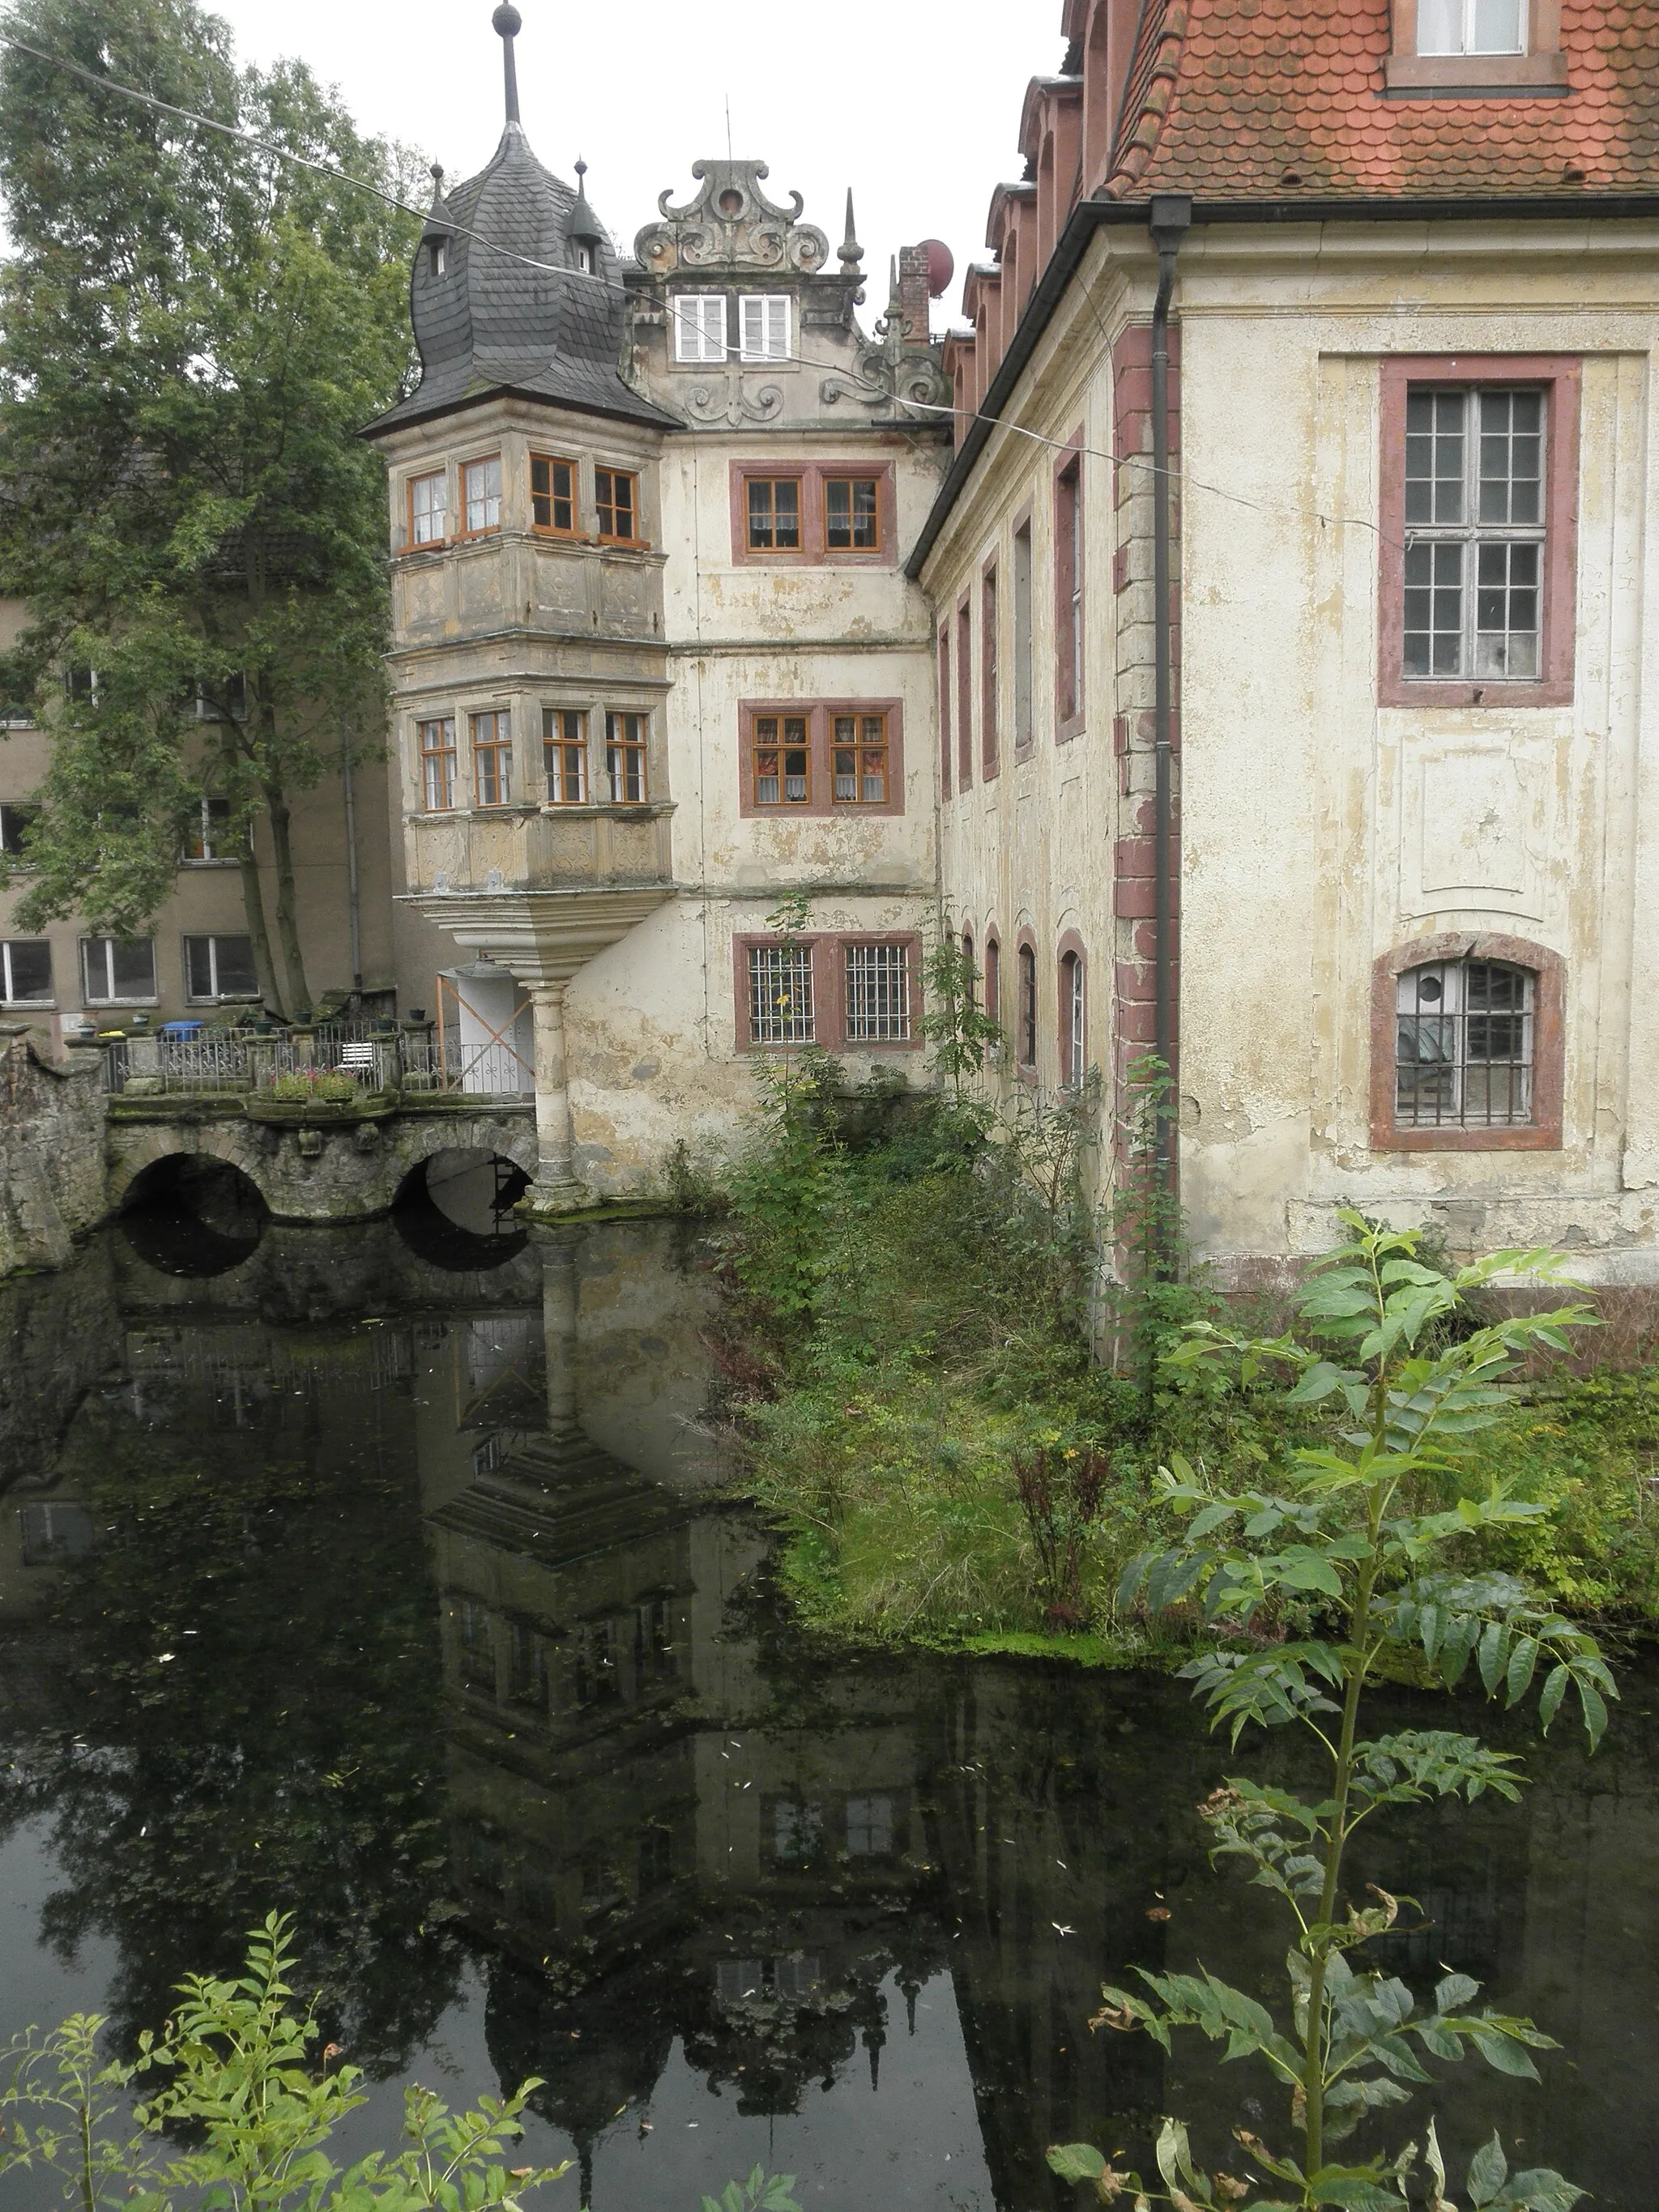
[[508, 22], [851, 251]]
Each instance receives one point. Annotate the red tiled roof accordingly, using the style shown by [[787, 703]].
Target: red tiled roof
[[1273, 98]]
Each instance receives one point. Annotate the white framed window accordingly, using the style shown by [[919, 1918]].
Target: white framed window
[[700, 331], [1470, 27], [1463, 1050], [1475, 533], [869, 1827], [428, 508], [781, 994], [117, 971], [764, 326], [26, 971], [1074, 1040], [878, 993], [481, 494], [211, 836], [219, 968]]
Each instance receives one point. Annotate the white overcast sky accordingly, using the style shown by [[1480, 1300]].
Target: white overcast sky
[[914, 103]]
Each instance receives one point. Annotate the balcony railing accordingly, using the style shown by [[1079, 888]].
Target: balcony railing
[[223, 1061]]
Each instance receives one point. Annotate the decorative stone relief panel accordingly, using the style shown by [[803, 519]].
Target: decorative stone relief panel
[[1475, 824]]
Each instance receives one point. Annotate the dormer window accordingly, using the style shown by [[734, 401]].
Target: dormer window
[[765, 325], [1470, 27], [440, 257], [699, 326], [585, 259]]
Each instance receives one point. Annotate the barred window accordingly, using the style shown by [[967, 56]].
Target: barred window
[[878, 993], [781, 994], [860, 760], [1463, 1053], [1475, 533]]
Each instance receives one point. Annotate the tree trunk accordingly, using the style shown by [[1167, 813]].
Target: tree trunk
[[253, 905], [288, 928]]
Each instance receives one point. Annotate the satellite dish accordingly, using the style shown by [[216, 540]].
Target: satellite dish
[[941, 267]]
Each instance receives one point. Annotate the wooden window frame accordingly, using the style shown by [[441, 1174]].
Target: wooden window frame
[[828, 950], [464, 535], [628, 744], [496, 744], [990, 734], [781, 554], [1560, 377], [423, 752], [635, 479], [1543, 1133], [551, 461], [1541, 70], [828, 478], [860, 745], [820, 715], [1071, 581], [557, 740], [815, 550], [421, 476], [778, 743]]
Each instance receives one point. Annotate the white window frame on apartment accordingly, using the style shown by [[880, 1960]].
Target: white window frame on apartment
[[216, 993], [701, 332], [108, 994], [1472, 27], [763, 327], [8, 980]]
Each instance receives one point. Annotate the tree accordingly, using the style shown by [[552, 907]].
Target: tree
[[1372, 1534], [193, 328]]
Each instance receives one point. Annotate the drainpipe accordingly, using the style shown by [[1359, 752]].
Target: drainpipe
[[351, 862], [1170, 218]]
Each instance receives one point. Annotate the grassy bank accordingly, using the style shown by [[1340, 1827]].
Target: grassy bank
[[909, 1331]]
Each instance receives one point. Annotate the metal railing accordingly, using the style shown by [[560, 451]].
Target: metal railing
[[229, 1062]]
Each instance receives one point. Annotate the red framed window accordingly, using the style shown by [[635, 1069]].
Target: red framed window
[[774, 515], [850, 989], [964, 696], [821, 757], [1025, 1040], [782, 761], [858, 760], [945, 710], [852, 514], [814, 513], [988, 732], [1467, 1048]]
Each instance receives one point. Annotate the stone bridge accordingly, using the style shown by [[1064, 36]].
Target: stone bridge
[[314, 1162]]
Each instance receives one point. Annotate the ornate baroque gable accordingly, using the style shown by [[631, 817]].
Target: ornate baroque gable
[[731, 225]]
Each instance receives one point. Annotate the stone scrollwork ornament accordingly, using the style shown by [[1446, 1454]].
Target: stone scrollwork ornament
[[730, 224]]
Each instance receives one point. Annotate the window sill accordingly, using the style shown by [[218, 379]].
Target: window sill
[[623, 545], [1073, 726], [28, 1006], [119, 1005], [1474, 76], [1535, 1137], [1490, 694]]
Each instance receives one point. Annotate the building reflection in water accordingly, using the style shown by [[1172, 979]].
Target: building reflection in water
[[510, 1671]]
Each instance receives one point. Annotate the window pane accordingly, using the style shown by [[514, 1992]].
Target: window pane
[[132, 963], [1433, 639], [1434, 457], [1511, 457], [1464, 1045], [237, 979], [1496, 29], [429, 500], [1506, 610], [482, 490], [28, 976], [198, 968], [846, 765], [849, 515], [1440, 26]]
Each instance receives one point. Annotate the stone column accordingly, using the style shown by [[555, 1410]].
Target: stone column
[[555, 1190], [560, 1317]]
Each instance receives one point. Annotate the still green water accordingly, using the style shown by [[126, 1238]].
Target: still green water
[[382, 1577]]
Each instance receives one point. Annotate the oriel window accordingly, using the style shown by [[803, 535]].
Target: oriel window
[[851, 517], [438, 764], [773, 514], [492, 758], [564, 754], [858, 760], [552, 494], [624, 756], [616, 495], [428, 508], [783, 761], [1474, 534], [481, 494]]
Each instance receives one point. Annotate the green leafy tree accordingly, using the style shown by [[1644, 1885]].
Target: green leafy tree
[[962, 1034], [1369, 1533], [193, 328]]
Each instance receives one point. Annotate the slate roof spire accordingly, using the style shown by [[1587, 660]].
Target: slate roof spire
[[509, 22], [527, 296]]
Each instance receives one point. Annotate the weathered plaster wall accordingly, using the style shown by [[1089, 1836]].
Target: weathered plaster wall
[[52, 1151]]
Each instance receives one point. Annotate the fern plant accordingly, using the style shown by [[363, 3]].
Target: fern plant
[[1356, 1536]]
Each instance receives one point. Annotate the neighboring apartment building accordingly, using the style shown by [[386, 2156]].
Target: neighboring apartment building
[[656, 662], [196, 962], [1413, 830]]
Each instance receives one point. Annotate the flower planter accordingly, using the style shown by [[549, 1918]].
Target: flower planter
[[319, 1113]]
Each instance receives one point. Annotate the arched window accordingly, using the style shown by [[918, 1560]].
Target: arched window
[[968, 963], [1074, 1041], [993, 979], [1464, 1043], [1026, 1040]]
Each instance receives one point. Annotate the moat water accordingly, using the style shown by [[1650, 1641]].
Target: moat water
[[382, 1575]]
